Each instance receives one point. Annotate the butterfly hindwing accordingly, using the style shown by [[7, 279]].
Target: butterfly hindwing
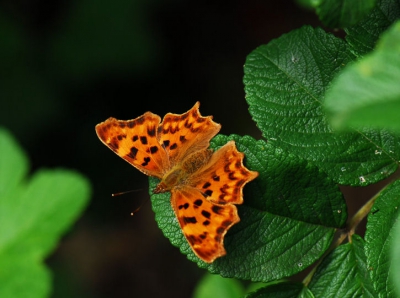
[[223, 177], [203, 223]]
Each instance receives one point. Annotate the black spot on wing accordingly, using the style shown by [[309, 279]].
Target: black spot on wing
[[206, 214], [231, 176], [133, 152], [146, 161], [216, 209], [198, 202], [173, 146], [166, 143], [189, 219], [185, 206], [206, 185], [208, 193], [153, 149], [216, 178], [143, 140], [151, 131]]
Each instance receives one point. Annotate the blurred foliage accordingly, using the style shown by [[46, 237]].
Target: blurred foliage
[[33, 214]]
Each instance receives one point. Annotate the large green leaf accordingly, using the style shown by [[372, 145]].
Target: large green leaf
[[343, 273], [285, 82], [287, 220], [367, 93], [378, 238], [33, 214], [363, 36], [343, 13]]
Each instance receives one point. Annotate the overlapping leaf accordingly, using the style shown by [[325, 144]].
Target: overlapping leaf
[[363, 36], [379, 236], [287, 220], [285, 82], [343, 13], [367, 93], [343, 273]]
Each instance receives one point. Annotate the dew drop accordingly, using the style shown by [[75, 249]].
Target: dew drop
[[362, 179], [339, 211], [300, 264], [343, 169], [378, 152]]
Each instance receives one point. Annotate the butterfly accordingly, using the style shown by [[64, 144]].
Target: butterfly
[[204, 184]]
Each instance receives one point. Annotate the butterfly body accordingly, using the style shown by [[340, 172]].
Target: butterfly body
[[204, 185]]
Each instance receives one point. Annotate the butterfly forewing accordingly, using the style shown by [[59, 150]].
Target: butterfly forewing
[[184, 134], [136, 142]]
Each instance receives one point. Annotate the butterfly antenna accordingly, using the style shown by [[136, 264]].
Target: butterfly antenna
[[125, 192], [141, 205]]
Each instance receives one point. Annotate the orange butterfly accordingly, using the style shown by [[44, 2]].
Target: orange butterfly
[[204, 184]]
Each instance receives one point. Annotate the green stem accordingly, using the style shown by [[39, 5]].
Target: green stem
[[345, 233], [361, 214]]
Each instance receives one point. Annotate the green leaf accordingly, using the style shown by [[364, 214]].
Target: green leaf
[[363, 36], [33, 214], [211, 286], [367, 93], [378, 238], [285, 82], [282, 290], [287, 219], [343, 273], [343, 13], [395, 258]]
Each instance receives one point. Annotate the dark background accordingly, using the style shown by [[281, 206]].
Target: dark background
[[68, 65]]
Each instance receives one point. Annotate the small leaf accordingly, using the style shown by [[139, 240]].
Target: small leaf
[[363, 36], [282, 290], [343, 273], [343, 13], [367, 93], [211, 286], [379, 236], [33, 214], [285, 83], [287, 219]]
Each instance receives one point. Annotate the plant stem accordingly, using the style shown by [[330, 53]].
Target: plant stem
[[345, 233], [361, 214]]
